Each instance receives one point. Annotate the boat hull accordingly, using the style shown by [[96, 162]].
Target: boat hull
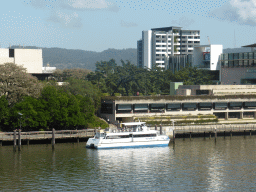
[[129, 145]]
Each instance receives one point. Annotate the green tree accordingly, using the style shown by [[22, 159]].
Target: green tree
[[33, 114], [16, 83], [56, 104], [192, 76], [4, 113], [84, 88], [65, 74]]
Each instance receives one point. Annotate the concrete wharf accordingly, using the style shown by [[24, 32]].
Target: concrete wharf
[[210, 130]]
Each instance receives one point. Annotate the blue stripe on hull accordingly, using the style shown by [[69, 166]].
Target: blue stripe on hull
[[137, 146]]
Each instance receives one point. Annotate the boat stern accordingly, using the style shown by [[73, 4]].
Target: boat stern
[[93, 143]]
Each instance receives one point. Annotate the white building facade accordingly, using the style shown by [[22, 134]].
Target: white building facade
[[158, 44], [207, 57], [30, 59]]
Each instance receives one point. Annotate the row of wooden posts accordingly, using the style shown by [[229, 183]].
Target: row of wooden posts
[[215, 135], [19, 139]]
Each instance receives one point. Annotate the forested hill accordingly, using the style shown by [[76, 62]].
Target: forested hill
[[71, 58], [74, 58]]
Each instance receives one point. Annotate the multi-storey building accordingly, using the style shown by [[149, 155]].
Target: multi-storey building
[[158, 44], [238, 68], [30, 59]]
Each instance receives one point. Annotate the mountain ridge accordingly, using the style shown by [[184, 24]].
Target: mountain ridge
[[62, 58]]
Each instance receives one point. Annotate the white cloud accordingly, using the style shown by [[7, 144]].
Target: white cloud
[[65, 20], [59, 11], [183, 21], [80, 5], [89, 4], [242, 11]]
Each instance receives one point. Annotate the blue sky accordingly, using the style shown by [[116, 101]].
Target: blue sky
[[96, 25]]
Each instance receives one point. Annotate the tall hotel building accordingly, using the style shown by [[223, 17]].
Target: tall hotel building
[[158, 44]]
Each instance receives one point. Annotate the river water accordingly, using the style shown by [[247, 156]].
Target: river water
[[190, 165]]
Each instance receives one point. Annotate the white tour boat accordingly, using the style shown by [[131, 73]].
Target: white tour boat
[[133, 134]]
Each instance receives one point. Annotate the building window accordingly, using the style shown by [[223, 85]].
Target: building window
[[11, 52]]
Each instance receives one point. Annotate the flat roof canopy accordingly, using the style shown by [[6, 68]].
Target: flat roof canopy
[[133, 123], [252, 45]]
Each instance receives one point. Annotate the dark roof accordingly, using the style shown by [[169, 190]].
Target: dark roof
[[165, 28], [252, 45]]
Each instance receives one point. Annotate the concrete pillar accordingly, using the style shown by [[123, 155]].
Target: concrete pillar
[[226, 115], [241, 115]]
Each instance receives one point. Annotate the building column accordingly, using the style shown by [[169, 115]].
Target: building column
[[226, 115], [241, 115]]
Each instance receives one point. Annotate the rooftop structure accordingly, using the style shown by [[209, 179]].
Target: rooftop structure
[[216, 90]]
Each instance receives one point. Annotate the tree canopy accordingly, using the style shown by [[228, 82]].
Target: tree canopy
[[16, 83], [110, 78]]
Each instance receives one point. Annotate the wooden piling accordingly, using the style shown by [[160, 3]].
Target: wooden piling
[[215, 134], [250, 132], [173, 136], [155, 127], [190, 135], [14, 140], [161, 129], [19, 140], [53, 138], [210, 136], [28, 142]]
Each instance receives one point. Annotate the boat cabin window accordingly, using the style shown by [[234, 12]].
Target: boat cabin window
[[117, 136], [145, 135], [98, 135]]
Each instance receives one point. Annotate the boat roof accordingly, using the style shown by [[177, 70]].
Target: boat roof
[[133, 123]]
